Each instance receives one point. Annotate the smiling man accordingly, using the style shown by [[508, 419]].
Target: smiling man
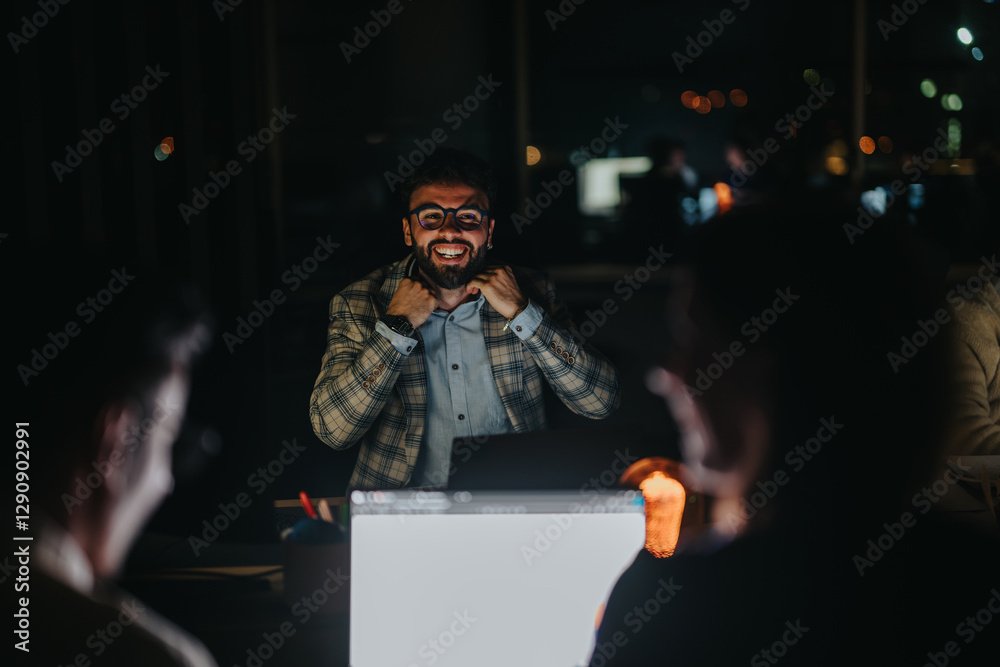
[[442, 344]]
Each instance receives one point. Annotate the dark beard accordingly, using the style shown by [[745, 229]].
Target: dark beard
[[450, 277]]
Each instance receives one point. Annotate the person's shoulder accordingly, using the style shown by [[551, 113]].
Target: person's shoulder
[[375, 280], [117, 627]]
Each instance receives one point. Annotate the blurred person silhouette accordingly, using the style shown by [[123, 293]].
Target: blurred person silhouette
[[810, 448], [975, 348], [655, 212], [103, 401]]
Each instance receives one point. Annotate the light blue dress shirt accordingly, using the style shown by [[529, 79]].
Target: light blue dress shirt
[[462, 396]]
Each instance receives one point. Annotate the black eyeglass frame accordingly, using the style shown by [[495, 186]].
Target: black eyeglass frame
[[454, 211]]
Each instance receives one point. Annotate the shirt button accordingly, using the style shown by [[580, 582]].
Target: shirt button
[[517, 329], [461, 417], [451, 319], [454, 367], [409, 347]]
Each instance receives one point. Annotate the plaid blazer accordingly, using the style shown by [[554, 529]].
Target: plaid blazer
[[367, 391]]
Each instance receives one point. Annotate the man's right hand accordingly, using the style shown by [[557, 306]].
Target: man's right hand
[[414, 300]]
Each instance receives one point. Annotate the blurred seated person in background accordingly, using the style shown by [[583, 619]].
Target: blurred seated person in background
[[810, 448], [442, 344], [656, 212], [975, 343], [101, 419]]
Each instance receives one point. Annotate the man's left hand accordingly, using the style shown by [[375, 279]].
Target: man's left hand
[[498, 285]]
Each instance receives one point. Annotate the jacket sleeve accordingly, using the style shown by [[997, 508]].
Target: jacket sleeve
[[975, 360], [360, 368], [583, 379]]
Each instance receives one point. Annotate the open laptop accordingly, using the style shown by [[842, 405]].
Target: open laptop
[[485, 578]]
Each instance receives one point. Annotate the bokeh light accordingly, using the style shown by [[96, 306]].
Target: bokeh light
[[687, 98], [702, 104], [951, 102], [885, 144], [836, 165], [533, 155], [928, 88], [738, 97], [964, 36], [977, 53], [164, 149], [717, 99], [867, 145], [811, 77]]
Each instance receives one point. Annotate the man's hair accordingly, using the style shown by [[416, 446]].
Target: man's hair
[[450, 166]]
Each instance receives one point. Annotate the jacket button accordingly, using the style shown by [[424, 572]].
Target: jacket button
[[365, 385], [571, 360]]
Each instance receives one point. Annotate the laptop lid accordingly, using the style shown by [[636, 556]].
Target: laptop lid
[[486, 577]]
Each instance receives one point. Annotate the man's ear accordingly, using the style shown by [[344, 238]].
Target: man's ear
[[407, 239], [116, 439]]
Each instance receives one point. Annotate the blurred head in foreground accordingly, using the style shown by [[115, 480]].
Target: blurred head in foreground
[[104, 364], [776, 372]]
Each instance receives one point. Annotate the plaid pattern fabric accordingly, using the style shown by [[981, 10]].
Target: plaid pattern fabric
[[367, 391]]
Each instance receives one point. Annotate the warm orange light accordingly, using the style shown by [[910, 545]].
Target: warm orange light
[[738, 97], [687, 98], [702, 105], [867, 145], [167, 145], [717, 99], [885, 144], [724, 195], [665, 498], [533, 155]]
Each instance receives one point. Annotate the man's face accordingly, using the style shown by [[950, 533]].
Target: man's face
[[448, 270]]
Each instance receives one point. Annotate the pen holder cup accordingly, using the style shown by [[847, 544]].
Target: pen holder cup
[[317, 562]]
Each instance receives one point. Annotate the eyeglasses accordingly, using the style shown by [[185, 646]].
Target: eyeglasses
[[432, 216]]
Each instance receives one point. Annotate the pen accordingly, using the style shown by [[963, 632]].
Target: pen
[[324, 510], [307, 505]]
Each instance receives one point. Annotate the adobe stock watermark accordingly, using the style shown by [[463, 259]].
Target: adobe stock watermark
[[454, 116], [635, 619], [900, 14], [248, 149], [553, 189], [223, 7], [545, 538], [788, 125], [914, 168], [294, 277], [563, 11], [303, 610], [779, 648], [968, 629], [927, 329], [258, 481], [626, 288], [121, 107], [435, 647], [103, 638], [924, 500], [796, 458], [372, 29], [88, 309], [753, 329], [696, 44], [31, 25], [130, 441]]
